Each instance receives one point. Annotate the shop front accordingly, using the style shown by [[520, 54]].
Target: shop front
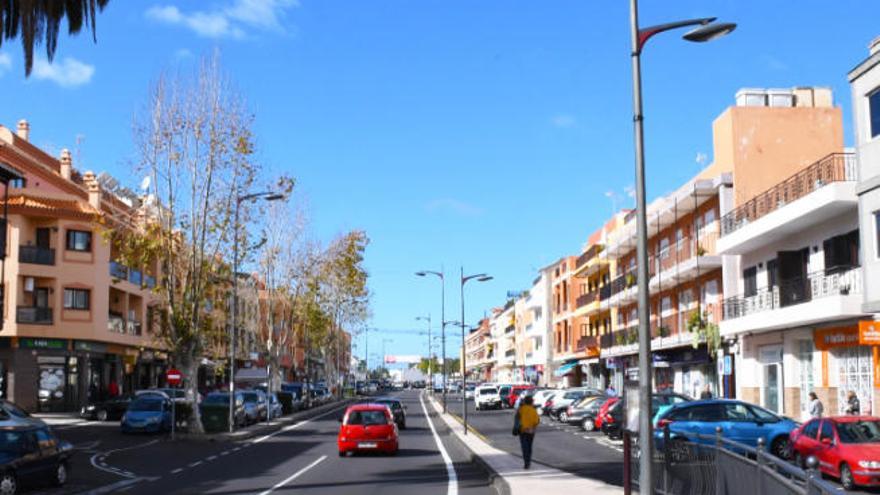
[[850, 361], [569, 373]]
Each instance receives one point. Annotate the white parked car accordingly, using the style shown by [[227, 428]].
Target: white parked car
[[541, 397], [486, 397]]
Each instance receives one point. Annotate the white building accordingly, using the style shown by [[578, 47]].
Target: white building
[[503, 332], [536, 345]]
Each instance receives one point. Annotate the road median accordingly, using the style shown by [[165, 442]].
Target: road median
[[506, 472]]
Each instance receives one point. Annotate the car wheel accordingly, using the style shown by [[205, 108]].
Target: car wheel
[[477, 407], [781, 448], [403, 425], [846, 477], [8, 484], [341, 453], [60, 474], [563, 417], [102, 415], [588, 425]]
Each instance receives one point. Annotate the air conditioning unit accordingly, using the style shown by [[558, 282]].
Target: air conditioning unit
[[29, 284]]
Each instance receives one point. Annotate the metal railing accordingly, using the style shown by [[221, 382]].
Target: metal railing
[[133, 327], [605, 292], [33, 315], [585, 342], [135, 276], [115, 324], [796, 291], [36, 255], [584, 299], [118, 270], [713, 464], [836, 167]]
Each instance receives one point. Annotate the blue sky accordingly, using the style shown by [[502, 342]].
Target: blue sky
[[454, 132]]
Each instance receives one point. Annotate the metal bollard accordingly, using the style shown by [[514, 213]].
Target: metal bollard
[[812, 464], [759, 462], [666, 459], [627, 464], [719, 481]]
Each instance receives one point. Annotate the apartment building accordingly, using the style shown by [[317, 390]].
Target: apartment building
[[564, 362], [536, 335], [74, 319], [865, 84], [503, 333], [477, 351]]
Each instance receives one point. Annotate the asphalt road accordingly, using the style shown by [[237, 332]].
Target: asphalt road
[[299, 458], [564, 447]]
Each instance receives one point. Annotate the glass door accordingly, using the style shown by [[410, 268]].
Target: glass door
[[771, 392]]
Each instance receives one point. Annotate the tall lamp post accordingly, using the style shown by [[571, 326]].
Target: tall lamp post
[[480, 277], [442, 278], [430, 362], [265, 196], [707, 30]]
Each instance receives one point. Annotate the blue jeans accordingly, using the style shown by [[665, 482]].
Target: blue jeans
[[525, 441]]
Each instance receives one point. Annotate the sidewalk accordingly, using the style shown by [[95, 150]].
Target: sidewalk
[[514, 479]]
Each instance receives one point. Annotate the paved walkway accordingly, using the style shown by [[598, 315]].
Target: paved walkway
[[539, 479]]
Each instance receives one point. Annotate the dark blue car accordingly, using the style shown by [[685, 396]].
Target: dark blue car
[[739, 421], [147, 414]]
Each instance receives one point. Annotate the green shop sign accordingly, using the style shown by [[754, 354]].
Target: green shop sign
[[55, 344]]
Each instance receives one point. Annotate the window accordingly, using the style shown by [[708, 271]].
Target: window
[[738, 412], [78, 240], [709, 412], [841, 252], [827, 431], [76, 299], [20, 183], [811, 429], [772, 273], [750, 281], [709, 217], [877, 231], [874, 112], [664, 248]]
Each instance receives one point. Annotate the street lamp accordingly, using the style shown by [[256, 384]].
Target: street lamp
[[430, 361], [708, 30], [265, 196], [480, 277], [442, 278]]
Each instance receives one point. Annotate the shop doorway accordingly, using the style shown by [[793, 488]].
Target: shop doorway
[[771, 392], [855, 373]]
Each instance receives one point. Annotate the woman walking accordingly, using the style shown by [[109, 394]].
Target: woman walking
[[528, 420], [816, 407]]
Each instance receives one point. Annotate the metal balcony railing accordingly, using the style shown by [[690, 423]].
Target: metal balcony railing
[[133, 327], [605, 292], [588, 298], [36, 255], [135, 276], [585, 342], [115, 324], [33, 315], [836, 167], [796, 291], [118, 270]]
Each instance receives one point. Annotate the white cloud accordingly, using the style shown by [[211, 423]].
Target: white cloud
[[67, 73], [563, 121], [229, 21], [182, 53], [5, 63], [455, 206]]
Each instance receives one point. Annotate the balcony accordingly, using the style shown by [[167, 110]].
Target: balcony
[[115, 324], [510, 353], [135, 276], [586, 342], [118, 271], [133, 327], [605, 292], [33, 315], [588, 298], [820, 192], [684, 259], [149, 281], [36, 255], [509, 329], [818, 298]]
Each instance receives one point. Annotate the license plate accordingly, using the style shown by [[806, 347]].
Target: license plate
[[367, 445]]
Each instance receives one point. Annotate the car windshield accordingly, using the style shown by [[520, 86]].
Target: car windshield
[[250, 397], [504, 390], [145, 405], [393, 404], [216, 399], [488, 391], [367, 418], [859, 431], [763, 414], [15, 410]]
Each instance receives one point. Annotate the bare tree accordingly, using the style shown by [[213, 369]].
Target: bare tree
[[195, 143]]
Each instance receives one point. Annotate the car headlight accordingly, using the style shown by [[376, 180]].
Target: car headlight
[[869, 464], [90, 408]]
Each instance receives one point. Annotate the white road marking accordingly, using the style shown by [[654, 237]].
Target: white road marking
[[118, 486], [296, 425], [176, 471], [450, 468], [213, 457], [194, 464], [99, 460], [294, 476]]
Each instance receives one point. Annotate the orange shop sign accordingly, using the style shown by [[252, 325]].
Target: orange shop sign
[[829, 338], [869, 332]]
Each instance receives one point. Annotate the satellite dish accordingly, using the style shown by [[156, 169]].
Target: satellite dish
[[145, 184]]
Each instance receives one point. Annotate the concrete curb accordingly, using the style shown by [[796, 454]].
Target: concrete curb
[[512, 479], [496, 480]]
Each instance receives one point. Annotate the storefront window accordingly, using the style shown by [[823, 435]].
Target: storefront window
[[855, 373], [805, 365]]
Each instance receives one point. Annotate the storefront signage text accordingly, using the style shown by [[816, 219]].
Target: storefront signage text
[[869, 332], [55, 344], [829, 338]]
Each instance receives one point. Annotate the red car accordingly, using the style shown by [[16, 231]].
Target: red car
[[367, 428], [847, 447], [515, 392], [603, 411]]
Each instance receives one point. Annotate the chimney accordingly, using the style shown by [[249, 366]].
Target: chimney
[[94, 189], [66, 163], [874, 45], [24, 130]]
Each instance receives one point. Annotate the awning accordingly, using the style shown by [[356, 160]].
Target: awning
[[564, 369], [251, 375]]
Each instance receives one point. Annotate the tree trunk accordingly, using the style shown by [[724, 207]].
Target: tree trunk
[[190, 365]]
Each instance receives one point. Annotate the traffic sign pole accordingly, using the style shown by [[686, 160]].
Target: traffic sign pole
[[173, 377]]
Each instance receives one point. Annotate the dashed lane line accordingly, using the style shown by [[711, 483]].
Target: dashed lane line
[[294, 476], [177, 471]]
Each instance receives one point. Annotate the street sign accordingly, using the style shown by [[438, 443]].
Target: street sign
[[173, 376]]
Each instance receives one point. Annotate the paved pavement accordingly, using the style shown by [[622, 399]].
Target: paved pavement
[[567, 448], [299, 456]]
